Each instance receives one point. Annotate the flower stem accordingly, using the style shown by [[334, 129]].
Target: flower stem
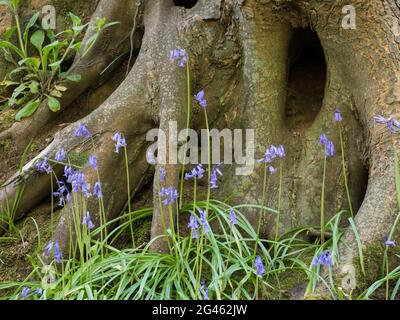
[[322, 220], [346, 184]]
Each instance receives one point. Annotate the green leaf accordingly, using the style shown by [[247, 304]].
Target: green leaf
[[37, 39], [56, 93], [60, 88], [28, 110], [76, 21], [8, 83], [29, 25], [74, 77], [8, 33], [34, 87], [9, 45], [31, 62], [53, 103]]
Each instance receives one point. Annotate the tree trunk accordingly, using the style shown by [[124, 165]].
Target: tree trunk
[[279, 67]]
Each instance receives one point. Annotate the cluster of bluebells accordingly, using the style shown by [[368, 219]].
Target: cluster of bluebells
[[392, 124], [259, 266], [215, 172], [26, 291], [57, 251], [87, 221], [204, 290], [203, 220], [270, 154], [324, 259], [196, 173], [329, 146], [43, 165], [193, 226], [200, 98], [389, 243], [61, 155], [169, 195], [179, 55], [119, 141]]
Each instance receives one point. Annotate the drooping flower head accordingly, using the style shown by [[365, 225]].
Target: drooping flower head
[[232, 217], [259, 266], [324, 259], [82, 131], [272, 170], [200, 98], [93, 162], [43, 165], [280, 152], [193, 226], [392, 124], [78, 181], [169, 195], [338, 116], [62, 193], [203, 221], [61, 155], [25, 292], [389, 243], [270, 154], [87, 221], [57, 253], [215, 172], [119, 141], [179, 55], [48, 249], [329, 146], [195, 173], [97, 190], [38, 291], [163, 173], [204, 290]]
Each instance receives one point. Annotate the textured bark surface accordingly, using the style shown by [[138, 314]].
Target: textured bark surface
[[279, 67]]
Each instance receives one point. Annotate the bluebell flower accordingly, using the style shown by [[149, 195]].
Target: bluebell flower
[[280, 151], [61, 155], [38, 291], [197, 173], [200, 98], [48, 249], [57, 252], [163, 173], [87, 221], [62, 193], [82, 131], [119, 141], [389, 243], [169, 194], [78, 181], [232, 217], [179, 55], [193, 225], [204, 290], [92, 162], [203, 221], [338, 116], [97, 190], [25, 292], [392, 124], [259, 266], [324, 259], [42, 165], [329, 146], [215, 172], [272, 170], [270, 154], [68, 171]]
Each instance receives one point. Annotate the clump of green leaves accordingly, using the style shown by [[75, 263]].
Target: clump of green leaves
[[38, 60]]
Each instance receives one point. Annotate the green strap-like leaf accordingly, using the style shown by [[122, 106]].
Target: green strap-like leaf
[[53, 103], [28, 110], [37, 39]]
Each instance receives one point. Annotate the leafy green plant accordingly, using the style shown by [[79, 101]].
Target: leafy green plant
[[38, 73]]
